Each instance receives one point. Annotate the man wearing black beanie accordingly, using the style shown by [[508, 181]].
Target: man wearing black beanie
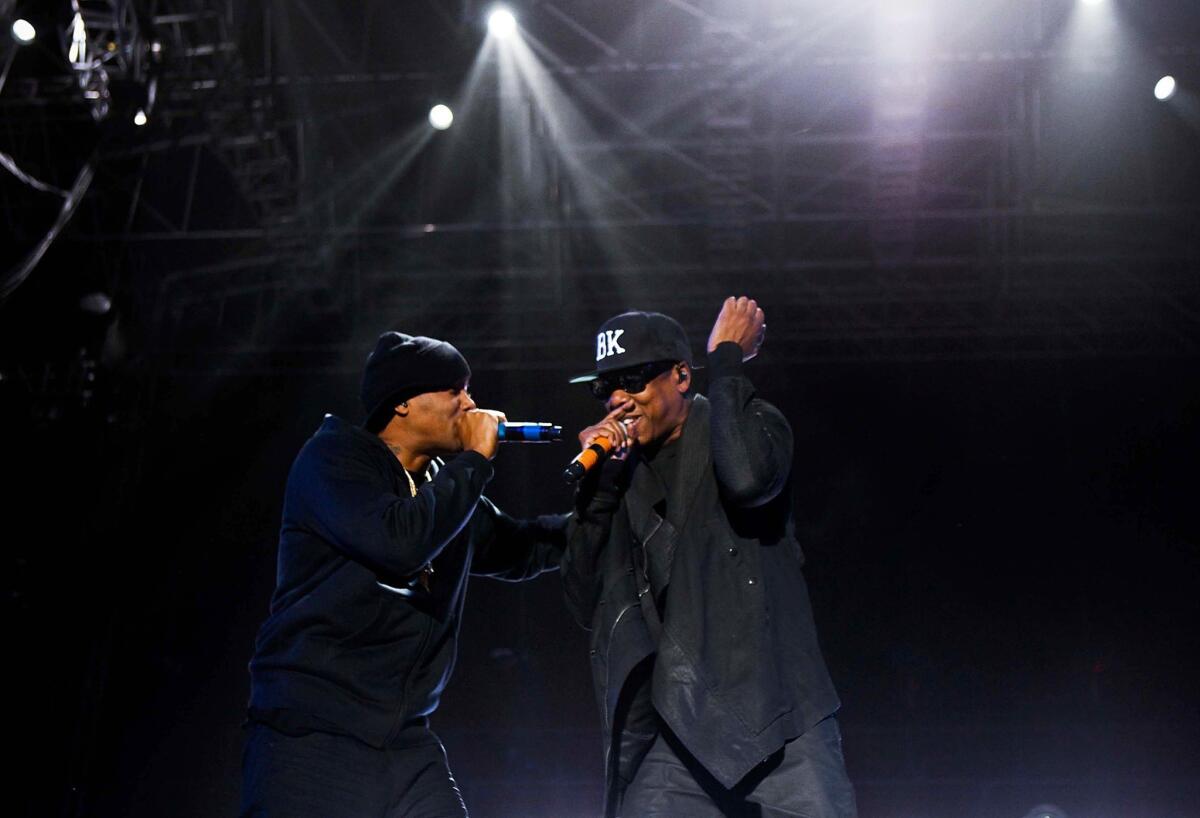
[[378, 539]]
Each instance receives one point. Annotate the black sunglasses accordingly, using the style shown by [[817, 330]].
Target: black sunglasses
[[630, 380]]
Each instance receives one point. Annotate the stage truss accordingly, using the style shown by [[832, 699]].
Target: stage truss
[[884, 207]]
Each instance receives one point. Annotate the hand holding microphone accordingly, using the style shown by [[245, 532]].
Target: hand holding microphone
[[478, 429], [482, 430], [608, 436]]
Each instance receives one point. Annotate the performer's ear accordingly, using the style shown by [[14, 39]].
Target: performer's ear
[[401, 410], [682, 377]]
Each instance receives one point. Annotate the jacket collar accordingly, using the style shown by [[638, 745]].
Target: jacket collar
[[691, 464], [695, 461], [332, 424]]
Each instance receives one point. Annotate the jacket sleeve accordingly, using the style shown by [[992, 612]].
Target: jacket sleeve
[[512, 549], [751, 439], [342, 495], [588, 532]]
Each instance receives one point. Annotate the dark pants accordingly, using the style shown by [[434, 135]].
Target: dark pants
[[806, 777], [321, 775]]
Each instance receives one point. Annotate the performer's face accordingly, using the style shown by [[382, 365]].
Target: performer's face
[[657, 412], [433, 418]]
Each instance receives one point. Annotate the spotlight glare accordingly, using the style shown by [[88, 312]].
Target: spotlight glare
[[23, 31], [441, 117], [501, 23], [140, 118], [1164, 89], [1092, 2]]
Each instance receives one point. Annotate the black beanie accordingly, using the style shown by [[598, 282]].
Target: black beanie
[[402, 366]]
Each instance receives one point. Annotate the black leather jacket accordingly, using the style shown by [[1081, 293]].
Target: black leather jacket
[[736, 671]]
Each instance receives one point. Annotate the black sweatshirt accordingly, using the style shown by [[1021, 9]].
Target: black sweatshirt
[[351, 644]]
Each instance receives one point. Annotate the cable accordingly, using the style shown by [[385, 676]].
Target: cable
[[15, 277]]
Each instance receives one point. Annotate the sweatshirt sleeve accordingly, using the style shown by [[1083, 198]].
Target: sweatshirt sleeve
[[340, 493], [513, 549], [751, 439]]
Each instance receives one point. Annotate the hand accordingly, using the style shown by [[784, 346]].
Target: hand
[[610, 426], [742, 322], [479, 431]]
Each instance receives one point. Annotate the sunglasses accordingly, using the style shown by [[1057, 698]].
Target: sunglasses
[[629, 380]]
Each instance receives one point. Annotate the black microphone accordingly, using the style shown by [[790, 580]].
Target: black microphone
[[513, 431]]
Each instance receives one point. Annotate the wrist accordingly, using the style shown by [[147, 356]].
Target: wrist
[[476, 458], [725, 360]]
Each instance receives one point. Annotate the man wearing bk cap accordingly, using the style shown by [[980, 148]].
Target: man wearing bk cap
[[378, 538], [683, 563]]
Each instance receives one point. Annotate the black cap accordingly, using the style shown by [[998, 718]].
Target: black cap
[[634, 338], [402, 366]]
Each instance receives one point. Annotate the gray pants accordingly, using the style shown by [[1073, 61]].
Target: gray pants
[[806, 777]]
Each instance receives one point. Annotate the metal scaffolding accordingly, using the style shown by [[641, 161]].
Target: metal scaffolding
[[888, 206]]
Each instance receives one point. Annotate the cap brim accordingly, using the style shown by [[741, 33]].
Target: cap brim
[[591, 376]]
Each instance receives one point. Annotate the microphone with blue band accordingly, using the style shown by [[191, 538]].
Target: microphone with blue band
[[526, 432]]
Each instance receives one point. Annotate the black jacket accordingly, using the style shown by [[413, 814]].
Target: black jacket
[[351, 646], [737, 670]]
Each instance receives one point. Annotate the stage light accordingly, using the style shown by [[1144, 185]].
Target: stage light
[[23, 31], [140, 118], [1164, 89], [1092, 2], [77, 53], [441, 117], [96, 303], [501, 23]]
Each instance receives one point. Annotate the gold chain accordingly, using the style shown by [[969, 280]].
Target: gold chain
[[426, 574]]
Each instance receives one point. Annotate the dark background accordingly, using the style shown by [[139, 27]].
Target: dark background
[[984, 326]]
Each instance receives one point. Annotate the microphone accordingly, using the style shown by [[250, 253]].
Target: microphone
[[586, 460], [522, 432]]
